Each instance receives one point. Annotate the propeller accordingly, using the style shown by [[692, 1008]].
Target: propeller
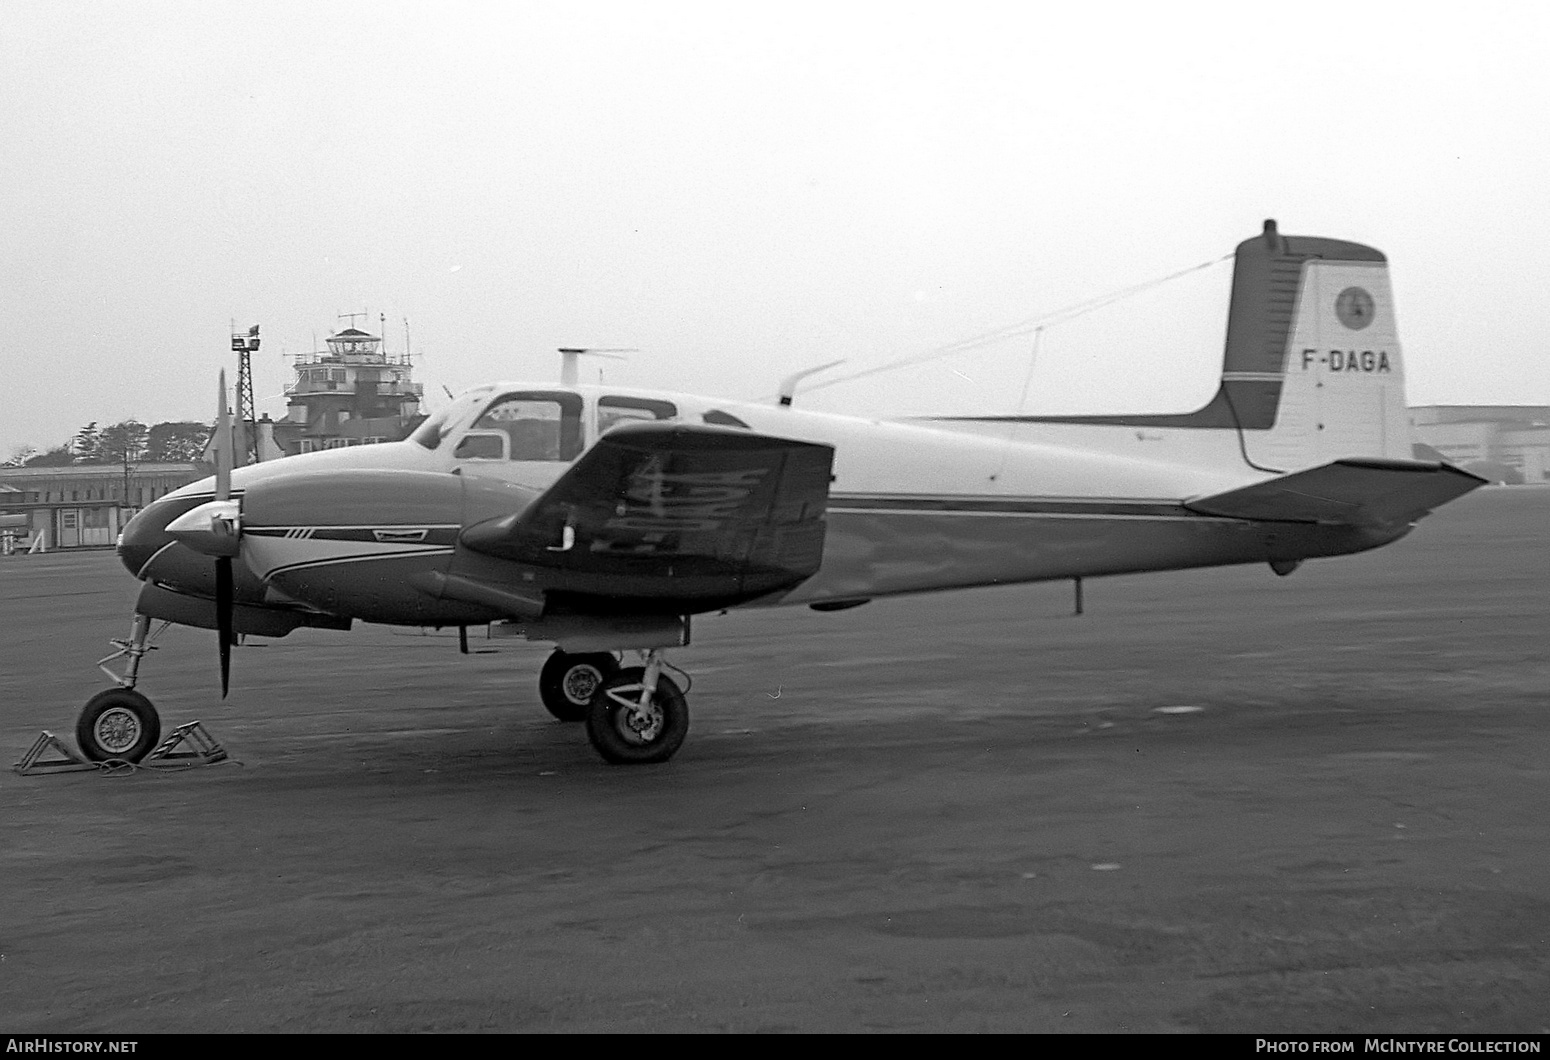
[[215, 529], [224, 625]]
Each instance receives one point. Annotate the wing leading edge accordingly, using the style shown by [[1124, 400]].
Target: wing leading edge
[[686, 516], [1346, 492]]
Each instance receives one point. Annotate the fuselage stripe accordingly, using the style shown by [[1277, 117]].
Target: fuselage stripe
[[289, 568], [1182, 516], [967, 505], [433, 535]]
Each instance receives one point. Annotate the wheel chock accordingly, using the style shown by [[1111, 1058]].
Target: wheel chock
[[34, 762], [199, 746]]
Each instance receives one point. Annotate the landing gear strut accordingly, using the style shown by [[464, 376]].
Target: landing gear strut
[[639, 715], [568, 682], [120, 723]]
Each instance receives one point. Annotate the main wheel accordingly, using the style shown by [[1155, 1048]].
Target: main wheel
[[568, 682], [119, 723], [626, 735]]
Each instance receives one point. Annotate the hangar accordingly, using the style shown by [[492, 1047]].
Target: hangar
[[1503, 442], [85, 505]]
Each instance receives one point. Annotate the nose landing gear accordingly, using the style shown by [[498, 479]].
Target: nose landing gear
[[120, 723]]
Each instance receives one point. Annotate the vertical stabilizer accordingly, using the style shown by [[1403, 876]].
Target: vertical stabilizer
[[1313, 351]]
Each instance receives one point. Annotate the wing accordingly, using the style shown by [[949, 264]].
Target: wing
[[686, 517], [1346, 492]]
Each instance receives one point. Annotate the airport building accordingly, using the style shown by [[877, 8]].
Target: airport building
[[1505, 443], [353, 394], [81, 505]]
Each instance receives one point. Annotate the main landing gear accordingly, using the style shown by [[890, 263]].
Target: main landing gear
[[120, 723], [635, 715], [569, 680]]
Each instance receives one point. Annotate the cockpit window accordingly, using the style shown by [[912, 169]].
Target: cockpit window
[[542, 425], [433, 431], [613, 410], [430, 433]]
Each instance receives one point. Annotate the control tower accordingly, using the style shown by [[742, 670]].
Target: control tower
[[353, 394]]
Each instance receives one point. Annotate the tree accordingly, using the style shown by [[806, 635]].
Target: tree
[[21, 454], [59, 456], [122, 443], [85, 444], [176, 443]]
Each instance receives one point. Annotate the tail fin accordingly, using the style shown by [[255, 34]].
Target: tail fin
[[1312, 370]]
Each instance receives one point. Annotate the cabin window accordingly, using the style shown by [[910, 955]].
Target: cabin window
[[613, 410], [542, 425]]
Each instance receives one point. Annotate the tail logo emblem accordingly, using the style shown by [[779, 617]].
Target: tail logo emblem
[[1354, 307]]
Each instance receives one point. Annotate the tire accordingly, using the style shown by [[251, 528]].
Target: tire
[[612, 728], [568, 682], [117, 724]]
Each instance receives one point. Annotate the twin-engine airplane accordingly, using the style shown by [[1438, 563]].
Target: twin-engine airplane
[[601, 519]]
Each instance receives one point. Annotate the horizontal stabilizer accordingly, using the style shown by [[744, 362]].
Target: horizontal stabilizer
[[1346, 492], [675, 513]]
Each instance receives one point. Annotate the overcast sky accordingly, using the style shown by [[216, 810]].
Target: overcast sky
[[743, 190]]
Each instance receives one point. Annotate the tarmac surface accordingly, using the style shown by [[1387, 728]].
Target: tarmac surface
[[1218, 801]]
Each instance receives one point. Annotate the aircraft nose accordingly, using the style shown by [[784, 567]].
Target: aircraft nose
[[144, 536]]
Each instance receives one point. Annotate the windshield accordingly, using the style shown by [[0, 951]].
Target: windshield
[[431, 433]]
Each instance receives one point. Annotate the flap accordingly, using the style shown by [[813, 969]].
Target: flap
[[1346, 492], [677, 513]]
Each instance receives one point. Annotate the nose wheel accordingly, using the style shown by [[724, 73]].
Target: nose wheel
[[118, 724]]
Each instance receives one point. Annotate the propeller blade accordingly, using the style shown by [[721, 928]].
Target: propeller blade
[[225, 625], [223, 444], [223, 618]]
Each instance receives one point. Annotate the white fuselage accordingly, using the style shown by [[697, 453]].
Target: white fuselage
[[912, 507]]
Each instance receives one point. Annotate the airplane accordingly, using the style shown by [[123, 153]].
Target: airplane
[[603, 519]]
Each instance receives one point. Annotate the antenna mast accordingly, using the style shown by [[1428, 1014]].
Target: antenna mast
[[570, 357], [244, 344]]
